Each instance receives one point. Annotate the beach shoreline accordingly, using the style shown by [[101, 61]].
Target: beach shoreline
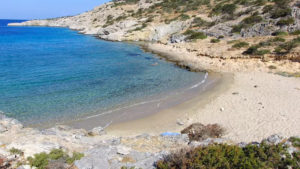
[[148, 107]]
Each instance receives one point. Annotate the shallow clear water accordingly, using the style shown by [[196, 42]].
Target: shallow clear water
[[54, 74]]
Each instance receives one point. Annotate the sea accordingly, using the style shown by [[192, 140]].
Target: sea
[[51, 75]]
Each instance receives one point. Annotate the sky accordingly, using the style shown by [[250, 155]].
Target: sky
[[42, 9]]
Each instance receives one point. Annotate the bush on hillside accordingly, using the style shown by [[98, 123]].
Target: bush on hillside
[[192, 35], [284, 22], [237, 28], [199, 22], [296, 32], [223, 156], [252, 19], [280, 12], [224, 9], [254, 50], [214, 40], [280, 33], [239, 45], [287, 47]]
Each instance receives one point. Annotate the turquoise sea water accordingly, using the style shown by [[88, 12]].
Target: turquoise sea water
[[54, 74]]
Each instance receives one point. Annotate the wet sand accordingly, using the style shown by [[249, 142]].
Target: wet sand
[[138, 112]]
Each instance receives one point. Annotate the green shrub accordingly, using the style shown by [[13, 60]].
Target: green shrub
[[16, 151], [252, 19], [280, 33], [280, 12], [288, 46], [237, 28], [277, 39], [223, 156], [288, 21], [195, 35], [56, 154], [239, 45], [199, 22], [297, 32], [224, 9], [76, 156], [260, 2], [262, 52], [272, 67], [265, 43], [184, 17], [229, 8], [254, 50], [267, 9], [214, 40], [41, 160], [282, 3], [295, 141]]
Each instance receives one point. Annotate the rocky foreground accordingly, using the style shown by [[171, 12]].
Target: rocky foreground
[[142, 151]]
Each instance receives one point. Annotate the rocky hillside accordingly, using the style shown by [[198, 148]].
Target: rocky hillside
[[175, 21], [154, 20]]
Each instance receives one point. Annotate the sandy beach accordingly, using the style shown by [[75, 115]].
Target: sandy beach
[[244, 96], [252, 105], [251, 102]]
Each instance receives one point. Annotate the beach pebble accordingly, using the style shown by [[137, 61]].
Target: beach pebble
[[222, 109], [235, 93]]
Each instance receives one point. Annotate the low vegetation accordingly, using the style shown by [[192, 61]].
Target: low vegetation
[[288, 46], [16, 151], [285, 22], [239, 45], [214, 40], [255, 51], [42, 160], [193, 35], [223, 156]]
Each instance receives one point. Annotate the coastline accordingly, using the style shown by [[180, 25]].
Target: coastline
[[240, 102], [175, 118], [147, 107]]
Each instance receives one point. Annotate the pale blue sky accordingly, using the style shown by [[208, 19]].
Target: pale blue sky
[[40, 9]]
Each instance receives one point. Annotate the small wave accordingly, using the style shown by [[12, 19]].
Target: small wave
[[145, 102], [200, 83], [125, 107]]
